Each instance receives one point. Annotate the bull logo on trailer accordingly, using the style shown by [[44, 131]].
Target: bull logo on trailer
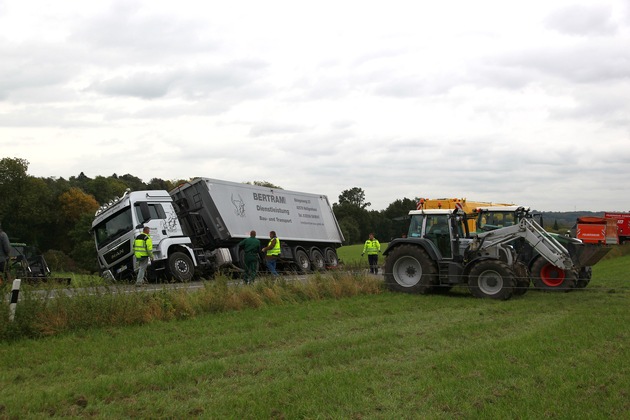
[[239, 206]]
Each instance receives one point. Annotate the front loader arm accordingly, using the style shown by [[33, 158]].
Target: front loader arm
[[535, 235]]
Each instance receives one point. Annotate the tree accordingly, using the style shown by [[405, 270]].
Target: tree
[[104, 189], [397, 213], [75, 203], [133, 182], [13, 177], [265, 184], [354, 196]]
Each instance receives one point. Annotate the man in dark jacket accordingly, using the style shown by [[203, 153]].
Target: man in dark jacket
[[251, 246]]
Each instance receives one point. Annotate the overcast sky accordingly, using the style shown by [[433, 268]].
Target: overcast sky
[[525, 102]]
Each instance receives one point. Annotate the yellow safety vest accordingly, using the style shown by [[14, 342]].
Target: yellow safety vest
[[143, 246], [372, 247], [276, 249]]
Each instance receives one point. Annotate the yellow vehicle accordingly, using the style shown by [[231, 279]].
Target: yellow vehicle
[[463, 204]]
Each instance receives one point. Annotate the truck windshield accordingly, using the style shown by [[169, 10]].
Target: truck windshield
[[113, 227]]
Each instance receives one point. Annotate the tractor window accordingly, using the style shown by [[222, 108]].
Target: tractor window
[[496, 220], [437, 231], [415, 227]]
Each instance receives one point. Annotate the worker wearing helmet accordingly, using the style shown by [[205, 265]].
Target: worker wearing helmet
[[373, 248], [143, 251]]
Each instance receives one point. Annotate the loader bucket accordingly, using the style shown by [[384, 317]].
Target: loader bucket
[[587, 255]]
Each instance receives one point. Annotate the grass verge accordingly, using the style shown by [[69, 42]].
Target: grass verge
[[326, 351]]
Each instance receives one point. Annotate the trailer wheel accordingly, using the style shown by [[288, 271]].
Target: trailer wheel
[[409, 269], [317, 260], [548, 277], [332, 261], [303, 263], [491, 279], [181, 266]]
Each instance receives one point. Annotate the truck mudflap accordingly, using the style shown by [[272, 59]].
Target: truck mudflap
[[586, 255]]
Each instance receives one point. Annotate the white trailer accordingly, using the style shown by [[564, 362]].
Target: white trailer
[[219, 214]]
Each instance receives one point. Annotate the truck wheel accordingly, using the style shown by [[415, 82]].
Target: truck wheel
[[491, 279], [181, 266], [332, 261], [548, 277], [317, 260], [409, 269], [303, 263], [584, 278]]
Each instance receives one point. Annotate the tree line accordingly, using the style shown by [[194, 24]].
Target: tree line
[[55, 214]]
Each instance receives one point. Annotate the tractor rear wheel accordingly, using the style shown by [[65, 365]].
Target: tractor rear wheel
[[548, 277], [409, 269], [491, 279]]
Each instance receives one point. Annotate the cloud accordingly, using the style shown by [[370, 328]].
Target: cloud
[[582, 20]]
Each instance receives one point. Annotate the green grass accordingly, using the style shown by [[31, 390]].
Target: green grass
[[382, 355]]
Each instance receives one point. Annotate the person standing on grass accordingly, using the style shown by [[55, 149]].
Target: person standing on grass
[[143, 250], [373, 248], [273, 252], [251, 246], [5, 254]]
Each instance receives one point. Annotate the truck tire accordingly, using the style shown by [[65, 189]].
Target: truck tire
[[317, 260], [332, 261], [181, 266], [584, 277], [409, 269], [491, 279], [302, 261], [548, 277]]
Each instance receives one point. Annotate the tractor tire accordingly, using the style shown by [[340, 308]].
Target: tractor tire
[[522, 279], [491, 279], [181, 267], [409, 269], [584, 277], [548, 277]]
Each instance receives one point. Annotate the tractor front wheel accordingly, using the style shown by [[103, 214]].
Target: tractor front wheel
[[491, 279]]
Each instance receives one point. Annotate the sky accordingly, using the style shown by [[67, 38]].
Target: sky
[[491, 100]]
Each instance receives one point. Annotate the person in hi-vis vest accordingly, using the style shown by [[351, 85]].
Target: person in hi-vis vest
[[272, 251], [373, 248]]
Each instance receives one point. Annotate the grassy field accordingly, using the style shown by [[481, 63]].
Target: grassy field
[[379, 355]]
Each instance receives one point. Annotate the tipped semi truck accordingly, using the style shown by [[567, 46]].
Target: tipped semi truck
[[197, 226]]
